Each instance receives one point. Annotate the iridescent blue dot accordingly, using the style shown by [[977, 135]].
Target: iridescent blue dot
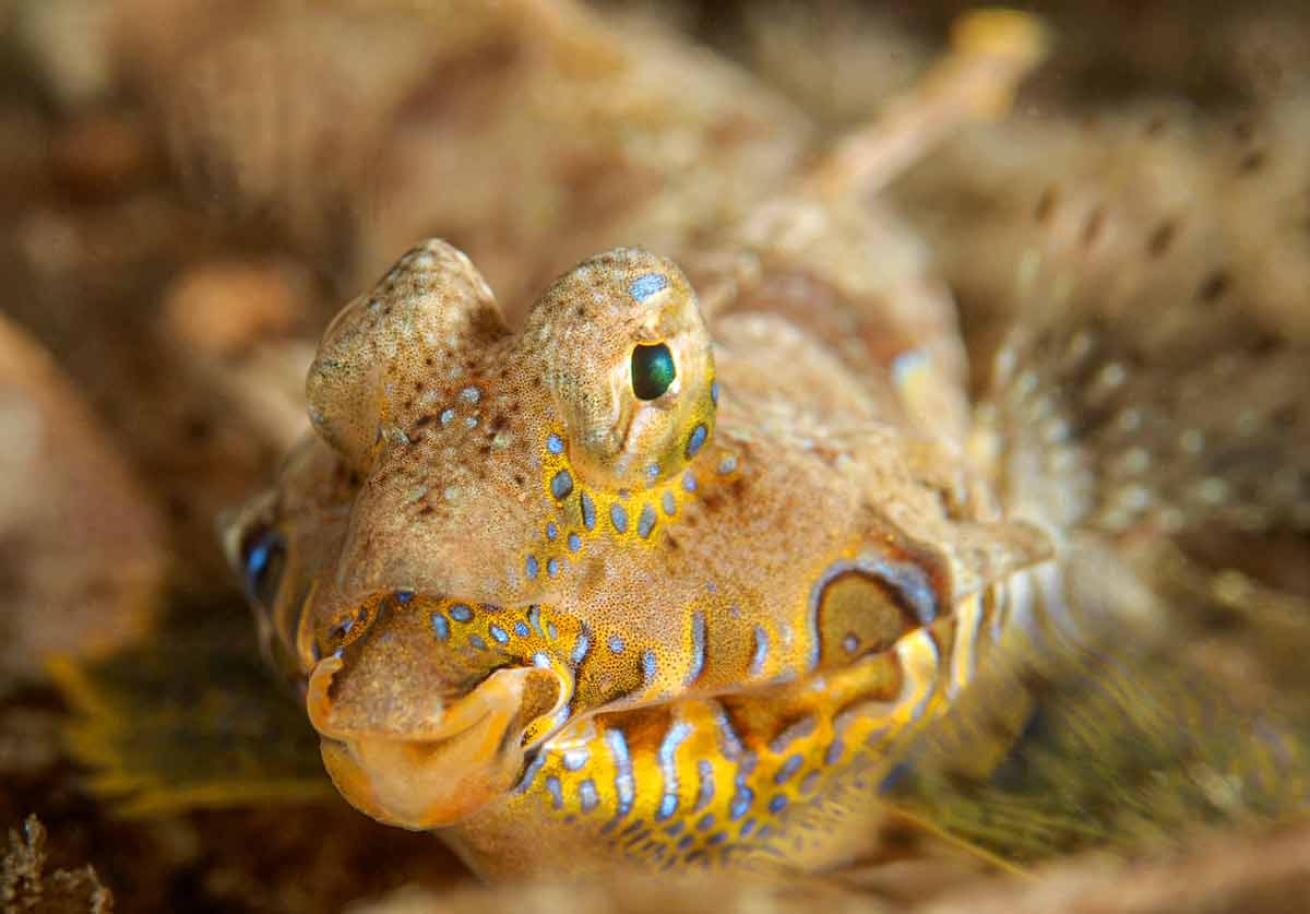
[[688, 482], [646, 285], [747, 827], [440, 626], [668, 806], [588, 511], [789, 768], [552, 531], [714, 392], [741, 802], [554, 443], [530, 567], [404, 596], [616, 644], [646, 522], [561, 484], [521, 629], [834, 752], [706, 822], [552, 567], [619, 517], [697, 440], [461, 613], [575, 542], [476, 641], [727, 465], [778, 803], [670, 504], [498, 633]]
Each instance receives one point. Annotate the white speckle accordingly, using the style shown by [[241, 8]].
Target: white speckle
[[1079, 347], [1248, 423], [1135, 460], [455, 371], [470, 395], [447, 416], [416, 493], [1112, 375], [1213, 491], [471, 421], [1135, 498], [502, 440], [451, 493]]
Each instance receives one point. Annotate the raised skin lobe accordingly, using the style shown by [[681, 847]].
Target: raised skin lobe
[[573, 626]]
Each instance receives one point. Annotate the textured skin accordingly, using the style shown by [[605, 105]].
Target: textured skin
[[563, 619]]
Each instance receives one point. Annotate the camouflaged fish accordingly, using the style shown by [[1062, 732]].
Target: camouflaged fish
[[713, 569]]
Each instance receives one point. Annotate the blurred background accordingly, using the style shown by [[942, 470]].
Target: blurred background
[[190, 189]]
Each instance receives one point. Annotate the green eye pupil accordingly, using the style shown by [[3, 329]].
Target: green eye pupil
[[652, 371]]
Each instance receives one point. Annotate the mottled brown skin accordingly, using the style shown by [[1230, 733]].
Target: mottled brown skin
[[571, 627]]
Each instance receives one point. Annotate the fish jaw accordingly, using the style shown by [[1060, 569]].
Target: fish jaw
[[470, 756]]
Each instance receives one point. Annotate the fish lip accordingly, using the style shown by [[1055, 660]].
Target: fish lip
[[439, 774]]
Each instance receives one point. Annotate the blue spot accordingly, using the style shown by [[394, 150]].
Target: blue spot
[[530, 774], [727, 465], [688, 482], [646, 285], [834, 752], [714, 392], [646, 523], [697, 646], [580, 649], [670, 504], [530, 567], [697, 440], [741, 801], [554, 443], [616, 644], [575, 542], [894, 777], [809, 782], [552, 567], [551, 631], [521, 629], [761, 650], [588, 511], [551, 530], [706, 822], [477, 642], [556, 795], [619, 517], [747, 827], [440, 626], [653, 472], [562, 484], [498, 633], [461, 613], [778, 803], [685, 842], [668, 806], [470, 394], [576, 759], [587, 795], [404, 596], [717, 838], [783, 774], [649, 666], [673, 830], [850, 643], [534, 617]]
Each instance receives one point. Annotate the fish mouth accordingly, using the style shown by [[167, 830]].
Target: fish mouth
[[410, 748]]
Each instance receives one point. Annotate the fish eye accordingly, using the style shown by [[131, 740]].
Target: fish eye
[[263, 558], [653, 371]]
